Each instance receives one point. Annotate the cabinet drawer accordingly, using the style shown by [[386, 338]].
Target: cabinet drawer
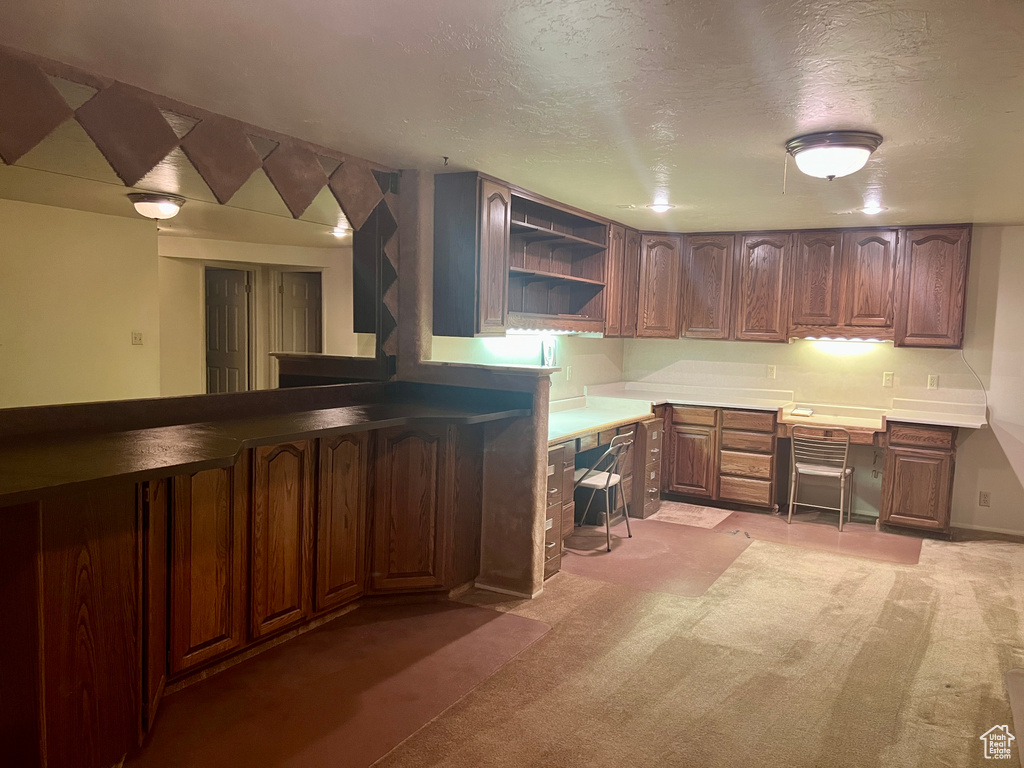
[[922, 436], [746, 464], [745, 490], [652, 480], [748, 441], [553, 563], [552, 528], [554, 484], [753, 421], [568, 519], [586, 442], [605, 437], [702, 417]]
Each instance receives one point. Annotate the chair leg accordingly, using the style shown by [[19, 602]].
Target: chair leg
[[625, 508], [792, 495], [607, 520], [583, 519], [842, 500]]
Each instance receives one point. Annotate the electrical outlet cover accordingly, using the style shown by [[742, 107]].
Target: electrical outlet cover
[[933, 381]]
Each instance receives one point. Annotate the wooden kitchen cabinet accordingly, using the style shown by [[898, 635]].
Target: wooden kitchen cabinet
[[614, 293], [341, 518], [155, 584], [869, 264], [693, 465], [917, 478], [760, 293], [707, 286], [209, 515], [817, 279], [932, 287], [281, 545], [472, 220], [658, 305], [631, 284], [412, 506]]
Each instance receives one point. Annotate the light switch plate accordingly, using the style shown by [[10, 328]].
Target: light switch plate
[[887, 379], [771, 371]]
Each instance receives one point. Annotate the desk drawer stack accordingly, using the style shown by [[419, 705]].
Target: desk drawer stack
[[747, 457], [646, 489], [559, 519]]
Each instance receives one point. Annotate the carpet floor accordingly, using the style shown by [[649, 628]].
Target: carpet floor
[[793, 657]]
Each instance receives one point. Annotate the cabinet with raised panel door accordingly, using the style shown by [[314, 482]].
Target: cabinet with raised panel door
[[614, 293], [707, 274], [761, 287], [658, 304], [917, 478], [869, 266], [631, 284], [932, 287], [817, 279]]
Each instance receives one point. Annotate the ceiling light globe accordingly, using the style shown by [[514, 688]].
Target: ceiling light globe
[[156, 206], [660, 207], [833, 154]]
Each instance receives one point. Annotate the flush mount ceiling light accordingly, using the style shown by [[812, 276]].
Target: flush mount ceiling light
[[833, 154], [661, 207], [156, 205], [871, 209]]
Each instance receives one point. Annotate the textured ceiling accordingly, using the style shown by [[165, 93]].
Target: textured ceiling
[[598, 102]]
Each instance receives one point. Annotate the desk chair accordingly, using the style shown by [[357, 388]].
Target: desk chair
[[821, 453], [604, 475]]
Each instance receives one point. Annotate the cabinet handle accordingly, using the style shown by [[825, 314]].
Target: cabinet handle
[[652, 490], [550, 544], [655, 450], [554, 490]]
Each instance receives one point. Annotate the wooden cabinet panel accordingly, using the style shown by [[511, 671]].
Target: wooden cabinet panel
[[869, 263], [933, 287], [495, 232], [745, 490], [757, 465], [694, 463], [630, 283], [342, 515], [748, 441], [707, 286], [916, 485], [410, 509], [920, 436], [155, 575], [754, 421], [659, 287], [817, 279], [761, 288], [695, 415], [614, 281], [208, 539], [281, 536]]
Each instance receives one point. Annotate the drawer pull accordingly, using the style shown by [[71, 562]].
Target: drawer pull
[[550, 544], [652, 490], [549, 524], [554, 490], [655, 450]]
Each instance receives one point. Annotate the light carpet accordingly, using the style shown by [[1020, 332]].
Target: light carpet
[[793, 658]]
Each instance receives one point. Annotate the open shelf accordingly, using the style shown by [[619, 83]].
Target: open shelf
[[534, 233], [541, 275]]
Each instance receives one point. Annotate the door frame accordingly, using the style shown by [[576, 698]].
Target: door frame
[[252, 283]]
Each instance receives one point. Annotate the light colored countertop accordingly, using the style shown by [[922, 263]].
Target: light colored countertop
[[599, 406], [586, 415]]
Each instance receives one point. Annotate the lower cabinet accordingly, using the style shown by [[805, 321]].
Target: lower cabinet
[[693, 466], [341, 518], [281, 531], [207, 549], [917, 479], [412, 504]]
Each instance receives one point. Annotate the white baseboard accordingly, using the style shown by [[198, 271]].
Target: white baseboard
[[989, 529]]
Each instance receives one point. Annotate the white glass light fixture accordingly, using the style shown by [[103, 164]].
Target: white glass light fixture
[[156, 205], [832, 154], [873, 208], [661, 207]]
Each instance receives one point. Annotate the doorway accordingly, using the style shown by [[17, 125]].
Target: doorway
[[228, 330], [301, 312]]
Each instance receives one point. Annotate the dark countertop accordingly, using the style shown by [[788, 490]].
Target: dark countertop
[[33, 464]]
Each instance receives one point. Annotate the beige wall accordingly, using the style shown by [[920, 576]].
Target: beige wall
[[592, 361], [182, 262], [73, 288]]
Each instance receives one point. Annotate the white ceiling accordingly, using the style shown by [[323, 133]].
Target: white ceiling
[[602, 102]]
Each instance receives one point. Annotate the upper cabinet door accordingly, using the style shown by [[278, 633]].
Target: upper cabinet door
[[869, 261], [817, 279], [707, 286], [613, 291], [630, 283], [658, 310], [495, 233], [933, 287], [761, 287]]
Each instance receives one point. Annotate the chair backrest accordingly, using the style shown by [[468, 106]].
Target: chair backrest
[[610, 459], [822, 446]]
